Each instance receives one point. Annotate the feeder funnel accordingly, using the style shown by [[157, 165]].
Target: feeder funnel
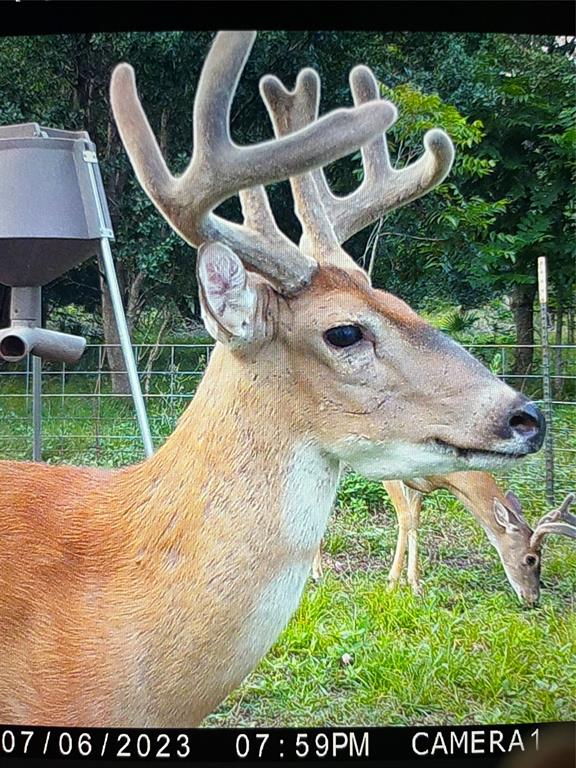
[[53, 216]]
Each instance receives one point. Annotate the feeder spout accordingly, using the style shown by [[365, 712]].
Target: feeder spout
[[18, 341]]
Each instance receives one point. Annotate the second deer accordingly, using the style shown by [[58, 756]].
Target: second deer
[[498, 513]]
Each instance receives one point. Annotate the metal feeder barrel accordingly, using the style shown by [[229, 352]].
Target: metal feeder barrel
[[53, 216], [53, 210]]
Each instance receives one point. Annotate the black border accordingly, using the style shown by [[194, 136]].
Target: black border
[[31, 17]]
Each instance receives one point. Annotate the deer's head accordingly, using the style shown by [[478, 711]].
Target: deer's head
[[520, 560], [376, 386], [521, 549]]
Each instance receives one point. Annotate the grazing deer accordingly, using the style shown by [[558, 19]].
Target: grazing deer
[[499, 514], [143, 596]]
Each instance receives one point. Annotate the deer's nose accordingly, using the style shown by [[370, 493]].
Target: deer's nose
[[531, 599], [527, 422]]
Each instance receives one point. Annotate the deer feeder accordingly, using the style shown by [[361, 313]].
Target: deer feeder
[[53, 216]]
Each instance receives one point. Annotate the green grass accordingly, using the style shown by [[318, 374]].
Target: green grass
[[84, 423], [466, 651], [455, 656]]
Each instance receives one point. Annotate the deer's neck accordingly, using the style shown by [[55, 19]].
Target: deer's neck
[[477, 491], [232, 509]]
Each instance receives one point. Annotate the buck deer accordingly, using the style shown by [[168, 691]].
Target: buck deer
[[499, 514], [143, 596]]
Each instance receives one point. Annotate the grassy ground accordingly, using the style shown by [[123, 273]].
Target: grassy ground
[[464, 652]]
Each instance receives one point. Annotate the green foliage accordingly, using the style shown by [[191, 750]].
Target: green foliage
[[527, 110], [359, 495], [453, 320], [75, 319], [419, 112], [427, 247]]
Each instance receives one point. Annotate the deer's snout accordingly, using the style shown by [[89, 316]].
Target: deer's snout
[[530, 598], [526, 422]]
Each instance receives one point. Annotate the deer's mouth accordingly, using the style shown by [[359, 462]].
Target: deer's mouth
[[469, 454]]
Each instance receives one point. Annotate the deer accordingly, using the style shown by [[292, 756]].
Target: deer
[[143, 595], [500, 515]]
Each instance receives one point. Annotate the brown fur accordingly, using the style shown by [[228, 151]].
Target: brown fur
[[477, 491], [354, 283], [102, 571]]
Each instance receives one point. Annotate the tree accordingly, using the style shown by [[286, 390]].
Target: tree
[[527, 108]]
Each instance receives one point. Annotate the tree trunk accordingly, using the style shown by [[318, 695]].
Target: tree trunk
[[135, 300], [522, 306], [571, 326], [114, 356], [558, 383]]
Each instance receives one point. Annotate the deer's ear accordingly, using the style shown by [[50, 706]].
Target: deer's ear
[[505, 517], [230, 297], [514, 502]]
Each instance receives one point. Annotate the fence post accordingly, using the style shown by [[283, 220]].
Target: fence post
[[546, 380], [36, 407]]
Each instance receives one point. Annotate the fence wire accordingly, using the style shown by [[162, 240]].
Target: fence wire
[[85, 420]]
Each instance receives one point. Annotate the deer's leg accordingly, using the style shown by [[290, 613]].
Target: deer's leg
[[317, 571], [394, 488], [399, 555], [414, 509]]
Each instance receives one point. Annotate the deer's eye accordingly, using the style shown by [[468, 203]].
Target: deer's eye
[[343, 335], [530, 560]]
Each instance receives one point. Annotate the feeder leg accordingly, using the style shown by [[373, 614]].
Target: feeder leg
[[37, 407], [126, 346]]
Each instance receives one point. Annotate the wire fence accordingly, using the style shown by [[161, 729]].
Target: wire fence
[[85, 422]]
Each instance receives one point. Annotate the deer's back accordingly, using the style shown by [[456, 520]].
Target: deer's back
[[48, 517]]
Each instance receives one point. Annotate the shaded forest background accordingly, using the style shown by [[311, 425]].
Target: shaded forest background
[[464, 253]]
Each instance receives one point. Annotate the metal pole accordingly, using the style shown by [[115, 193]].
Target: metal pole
[[37, 407], [126, 345], [546, 379]]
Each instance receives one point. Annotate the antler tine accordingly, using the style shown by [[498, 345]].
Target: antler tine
[[377, 168], [137, 136], [383, 188], [564, 509], [559, 521], [290, 111], [219, 168], [216, 88], [256, 211]]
